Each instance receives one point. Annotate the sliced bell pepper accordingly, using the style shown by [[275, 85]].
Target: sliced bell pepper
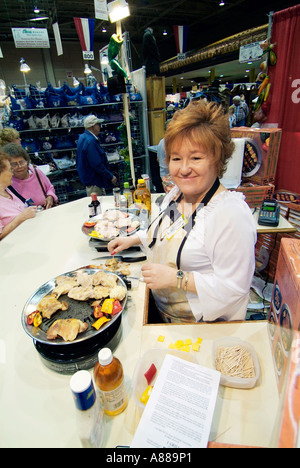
[[149, 375], [100, 322], [97, 312], [107, 306], [31, 317], [146, 395], [117, 307], [37, 320], [89, 224]]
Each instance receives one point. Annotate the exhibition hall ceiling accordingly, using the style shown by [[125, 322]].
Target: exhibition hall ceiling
[[207, 21]]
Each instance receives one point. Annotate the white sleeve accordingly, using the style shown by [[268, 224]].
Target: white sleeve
[[229, 241]]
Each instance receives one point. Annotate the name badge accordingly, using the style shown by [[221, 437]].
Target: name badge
[[175, 227]]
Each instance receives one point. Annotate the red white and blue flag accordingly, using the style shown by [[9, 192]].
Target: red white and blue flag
[[85, 29], [181, 33]]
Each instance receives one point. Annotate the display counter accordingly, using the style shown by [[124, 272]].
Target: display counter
[[36, 404]]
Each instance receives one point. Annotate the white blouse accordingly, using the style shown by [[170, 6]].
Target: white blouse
[[220, 252]]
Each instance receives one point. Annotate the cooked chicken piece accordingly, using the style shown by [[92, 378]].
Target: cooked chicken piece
[[84, 279], [100, 277], [49, 305], [135, 224], [101, 291], [118, 292], [112, 264], [64, 286], [113, 215], [124, 270], [81, 293], [68, 329]]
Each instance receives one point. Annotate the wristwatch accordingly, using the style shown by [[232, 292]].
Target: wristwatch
[[180, 276]]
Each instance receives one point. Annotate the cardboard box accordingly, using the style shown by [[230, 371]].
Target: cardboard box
[[255, 194], [156, 92], [156, 122], [261, 153], [284, 314]]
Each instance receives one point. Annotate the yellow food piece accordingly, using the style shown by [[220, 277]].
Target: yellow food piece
[[199, 340], [161, 338], [196, 346], [188, 341], [179, 343], [100, 322], [172, 346], [185, 348], [146, 394], [107, 306]]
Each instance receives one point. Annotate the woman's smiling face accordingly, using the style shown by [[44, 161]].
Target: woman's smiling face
[[192, 168]]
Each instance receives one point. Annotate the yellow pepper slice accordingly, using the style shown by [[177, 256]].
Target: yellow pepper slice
[[98, 324], [37, 320], [146, 394], [107, 306]]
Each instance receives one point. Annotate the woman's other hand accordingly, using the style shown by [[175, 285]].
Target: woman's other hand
[[158, 276], [48, 203], [122, 243]]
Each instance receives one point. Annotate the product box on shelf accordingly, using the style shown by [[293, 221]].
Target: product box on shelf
[[260, 153], [284, 315], [255, 194]]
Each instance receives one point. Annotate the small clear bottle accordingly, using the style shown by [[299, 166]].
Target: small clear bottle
[[94, 206], [128, 194], [89, 417], [116, 194], [109, 378]]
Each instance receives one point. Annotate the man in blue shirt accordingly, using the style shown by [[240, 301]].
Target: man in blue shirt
[[91, 160], [241, 111]]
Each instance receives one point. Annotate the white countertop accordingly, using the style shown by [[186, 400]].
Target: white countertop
[[36, 405]]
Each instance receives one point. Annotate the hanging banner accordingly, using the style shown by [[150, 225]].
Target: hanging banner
[[31, 38], [57, 39], [181, 33], [85, 29], [101, 9]]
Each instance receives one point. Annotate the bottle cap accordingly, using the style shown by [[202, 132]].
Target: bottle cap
[[94, 196], [105, 356], [83, 390], [126, 184], [141, 181]]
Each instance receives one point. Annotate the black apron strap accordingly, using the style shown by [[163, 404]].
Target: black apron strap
[[191, 222]]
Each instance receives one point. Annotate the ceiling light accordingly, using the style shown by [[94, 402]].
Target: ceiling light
[[104, 29], [221, 3], [118, 10], [39, 18], [36, 9], [165, 32], [75, 81], [24, 67], [87, 69]]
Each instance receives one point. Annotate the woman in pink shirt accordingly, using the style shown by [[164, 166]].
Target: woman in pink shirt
[[12, 210], [29, 181]]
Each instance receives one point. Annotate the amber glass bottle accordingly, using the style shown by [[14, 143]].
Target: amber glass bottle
[[109, 378], [142, 196]]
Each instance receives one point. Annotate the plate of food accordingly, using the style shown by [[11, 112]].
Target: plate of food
[[252, 158], [74, 306], [111, 224]]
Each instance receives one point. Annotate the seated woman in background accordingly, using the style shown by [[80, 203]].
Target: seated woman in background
[[29, 181], [9, 135], [12, 210], [200, 248]]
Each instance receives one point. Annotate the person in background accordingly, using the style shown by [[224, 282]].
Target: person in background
[[29, 180], [241, 111], [231, 115], [91, 160], [151, 55], [200, 248], [13, 211], [161, 156], [260, 115], [9, 135]]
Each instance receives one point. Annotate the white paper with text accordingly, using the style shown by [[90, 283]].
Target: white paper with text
[[180, 409]]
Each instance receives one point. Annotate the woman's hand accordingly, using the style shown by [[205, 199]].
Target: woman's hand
[[28, 213], [158, 276], [122, 243], [49, 202]]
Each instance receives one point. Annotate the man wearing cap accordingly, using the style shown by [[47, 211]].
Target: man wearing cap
[[241, 111], [91, 160]]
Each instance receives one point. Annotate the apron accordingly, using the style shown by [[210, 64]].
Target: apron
[[166, 237]]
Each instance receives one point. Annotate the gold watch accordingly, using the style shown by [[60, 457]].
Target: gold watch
[[180, 276]]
